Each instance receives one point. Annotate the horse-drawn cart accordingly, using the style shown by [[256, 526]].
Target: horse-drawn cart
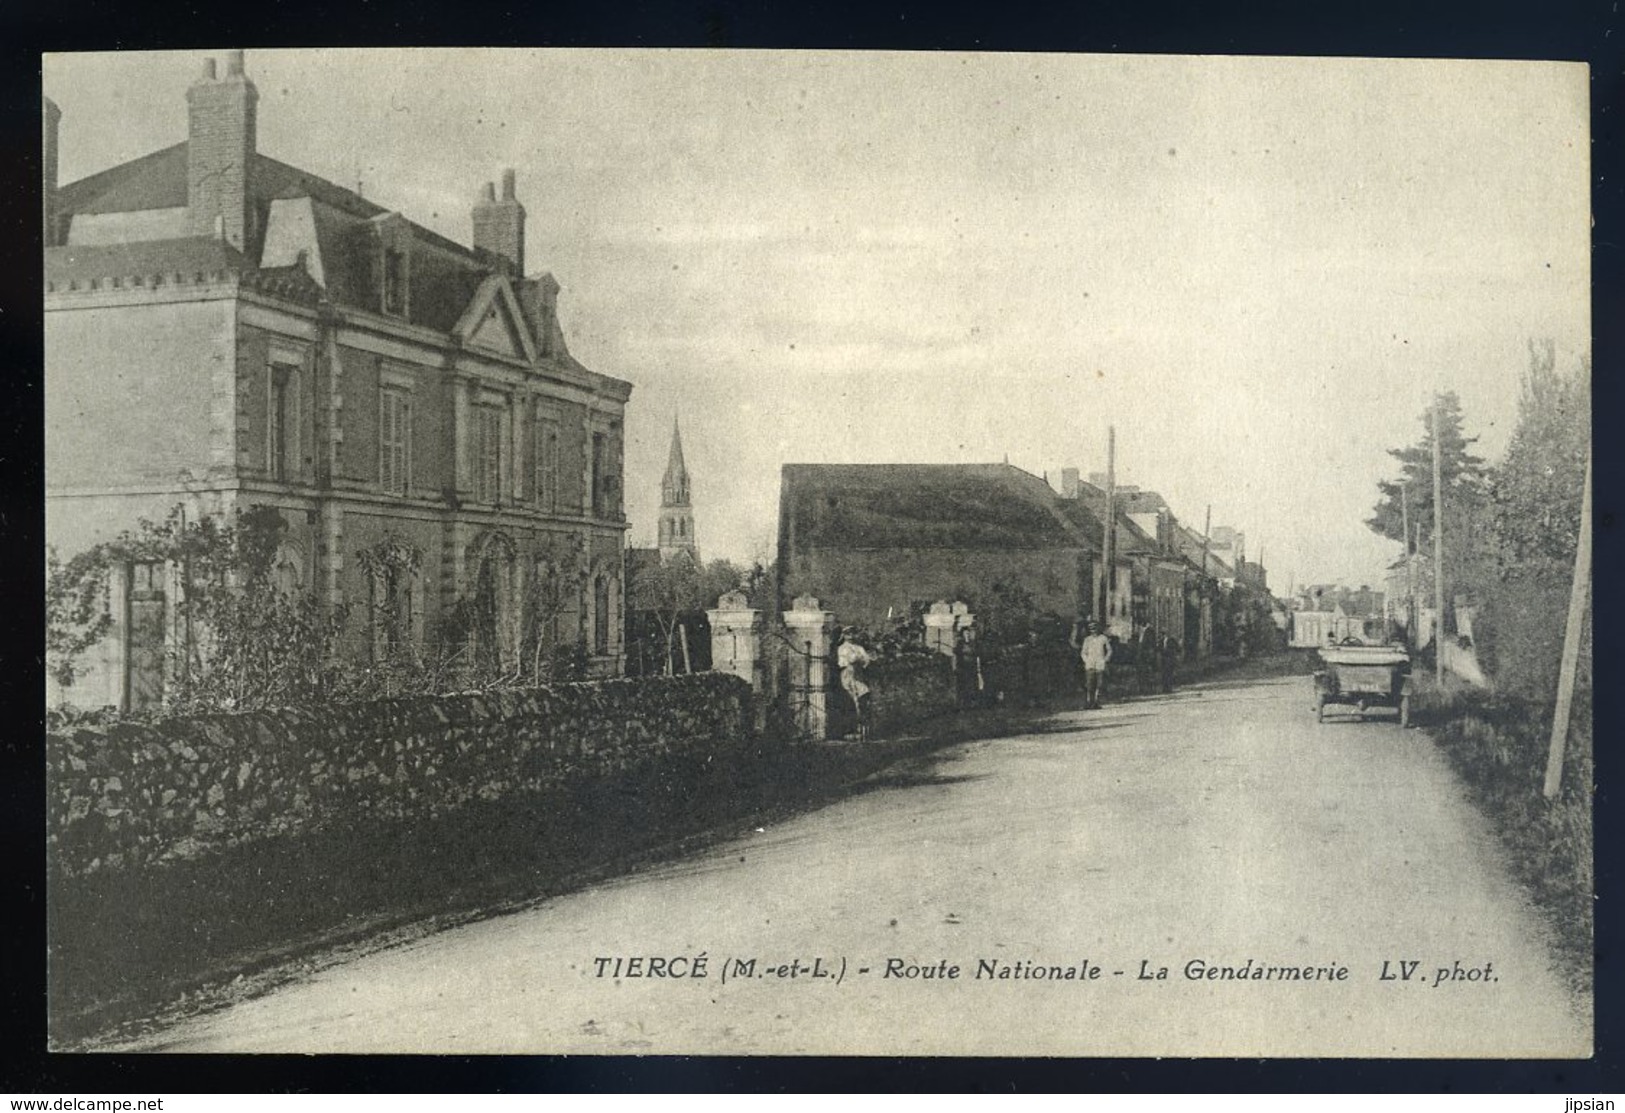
[[1365, 676]]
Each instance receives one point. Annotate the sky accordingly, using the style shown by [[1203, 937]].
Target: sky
[[1258, 270]]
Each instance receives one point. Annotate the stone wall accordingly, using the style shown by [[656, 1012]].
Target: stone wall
[[136, 794], [907, 690]]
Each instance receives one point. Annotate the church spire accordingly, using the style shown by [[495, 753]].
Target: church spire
[[674, 487], [676, 510]]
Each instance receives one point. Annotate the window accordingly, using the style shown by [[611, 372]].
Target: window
[[282, 416], [601, 616], [395, 441], [394, 282], [547, 463], [487, 454], [145, 643], [393, 612], [600, 476]]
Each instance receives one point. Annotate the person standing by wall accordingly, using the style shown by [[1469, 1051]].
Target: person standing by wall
[[852, 658], [1096, 651], [1171, 652], [1145, 659]]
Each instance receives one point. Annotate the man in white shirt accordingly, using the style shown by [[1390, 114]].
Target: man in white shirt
[[1096, 652]]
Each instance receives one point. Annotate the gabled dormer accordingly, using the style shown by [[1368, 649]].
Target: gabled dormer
[[494, 322]]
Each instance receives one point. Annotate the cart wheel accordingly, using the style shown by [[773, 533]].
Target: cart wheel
[[1404, 711]]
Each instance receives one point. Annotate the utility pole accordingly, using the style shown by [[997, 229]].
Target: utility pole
[[1438, 553], [1207, 531], [1405, 542], [1571, 645], [1108, 581]]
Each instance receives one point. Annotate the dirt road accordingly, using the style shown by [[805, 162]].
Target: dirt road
[[1063, 892]]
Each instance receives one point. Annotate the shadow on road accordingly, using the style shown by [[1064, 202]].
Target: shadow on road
[[916, 775]]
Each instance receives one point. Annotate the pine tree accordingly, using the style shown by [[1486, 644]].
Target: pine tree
[[1462, 474]]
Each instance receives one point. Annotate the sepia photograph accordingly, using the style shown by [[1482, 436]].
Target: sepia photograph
[[817, 553]]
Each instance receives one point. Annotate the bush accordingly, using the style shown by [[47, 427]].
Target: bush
[[1497, 743]]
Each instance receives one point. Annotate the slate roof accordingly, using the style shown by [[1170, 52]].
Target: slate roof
[[1189, 544], [444, 273], [922, 506]]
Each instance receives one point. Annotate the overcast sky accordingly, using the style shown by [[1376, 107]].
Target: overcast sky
[[1258, 269]]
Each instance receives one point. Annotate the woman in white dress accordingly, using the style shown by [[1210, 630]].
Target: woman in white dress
[[851, 658]]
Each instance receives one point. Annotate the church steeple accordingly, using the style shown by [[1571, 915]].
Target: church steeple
[[676, 511]]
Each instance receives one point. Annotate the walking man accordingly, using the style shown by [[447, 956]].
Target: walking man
[[1096, 652], [1171, 652]]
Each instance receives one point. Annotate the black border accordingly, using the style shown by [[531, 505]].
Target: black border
[[1580, 30]]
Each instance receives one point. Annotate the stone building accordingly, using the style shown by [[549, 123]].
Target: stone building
[[873, 541], [223, 330]]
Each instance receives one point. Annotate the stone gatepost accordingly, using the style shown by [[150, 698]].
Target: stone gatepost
[[810, 630], [939, 627], [736, 646], [943, 623]]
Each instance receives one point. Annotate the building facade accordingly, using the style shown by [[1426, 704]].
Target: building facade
[[224, 330], [875, 542]]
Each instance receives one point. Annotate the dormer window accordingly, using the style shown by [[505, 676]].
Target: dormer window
[[392, 265], [394, 282]]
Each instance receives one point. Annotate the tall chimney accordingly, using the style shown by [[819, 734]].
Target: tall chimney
[[51, 118], [499, 225], [1069, 483], [220, 148]]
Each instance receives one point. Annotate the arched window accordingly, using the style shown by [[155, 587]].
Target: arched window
[[493, 614]]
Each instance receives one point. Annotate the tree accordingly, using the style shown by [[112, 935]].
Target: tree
[[1534, 514], [248, 641], [678, 587], [547, 650], [1462, 474], [1535, 491]]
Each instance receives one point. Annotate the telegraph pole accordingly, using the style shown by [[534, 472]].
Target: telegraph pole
[[1207, 530], [1108, 581], [1405, 541], [1438, 553], [1571, 645]]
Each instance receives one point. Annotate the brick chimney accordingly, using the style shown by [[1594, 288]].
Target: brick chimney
[[499, 225], [51, 118], [1069, 483], [220, 146]]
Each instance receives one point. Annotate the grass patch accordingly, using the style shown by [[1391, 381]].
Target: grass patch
[[1498, 745]]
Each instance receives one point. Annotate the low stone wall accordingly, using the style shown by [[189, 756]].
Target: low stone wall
[[906, 690], [137, 794], [183, 852]]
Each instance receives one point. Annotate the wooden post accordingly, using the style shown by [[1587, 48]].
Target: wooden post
[[1405, 543], [1109, 538], [1438, 553], [1207, 529], [1571, 645]]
